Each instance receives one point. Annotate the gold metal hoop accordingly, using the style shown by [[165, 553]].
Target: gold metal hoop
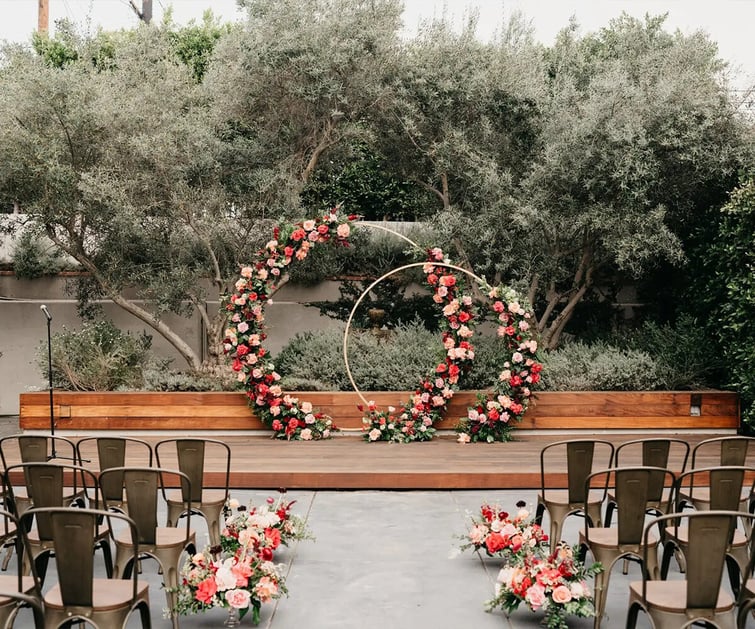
[[370, 287]]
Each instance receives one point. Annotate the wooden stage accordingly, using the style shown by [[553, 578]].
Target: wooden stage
[[347, 462]]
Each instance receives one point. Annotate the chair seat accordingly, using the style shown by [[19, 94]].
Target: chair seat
[[9, 583], [209, 497], [671, 596], [107, 594], [165, 536], [702, 495], [681, 535], [609, 538], [561, 497]]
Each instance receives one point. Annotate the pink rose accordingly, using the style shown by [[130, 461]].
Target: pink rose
[[561, 595], [535, 596], [238, 598], [343, 230]]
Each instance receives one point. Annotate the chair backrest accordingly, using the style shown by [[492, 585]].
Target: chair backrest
[[25, 448], [635, 489], [143, 486], [726, 483], [74, 532], [583, 456], [46, 483], [708, 534], [731, 450], [188, 455], [655, 452], [112, 452]]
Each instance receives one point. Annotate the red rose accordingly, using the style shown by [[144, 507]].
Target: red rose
[[464, 316]]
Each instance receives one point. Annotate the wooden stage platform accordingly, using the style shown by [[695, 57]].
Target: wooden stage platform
[[347, 462]]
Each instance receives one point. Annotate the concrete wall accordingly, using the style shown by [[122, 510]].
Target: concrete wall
[[23, 326]]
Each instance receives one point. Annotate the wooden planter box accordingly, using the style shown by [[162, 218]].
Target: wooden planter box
[[219, 411]]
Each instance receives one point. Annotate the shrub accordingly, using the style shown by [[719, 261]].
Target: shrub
[[377, 364], [577, 366], [96, 357], [682, 353]]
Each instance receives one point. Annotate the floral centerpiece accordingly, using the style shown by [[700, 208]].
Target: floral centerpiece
[[555, 583], [551, 579], [240, 574], [498, 534]]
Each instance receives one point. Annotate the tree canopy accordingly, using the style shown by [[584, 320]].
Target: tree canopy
[[159, 157]]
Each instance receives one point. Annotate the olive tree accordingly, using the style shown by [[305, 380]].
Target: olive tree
[[635, 130]]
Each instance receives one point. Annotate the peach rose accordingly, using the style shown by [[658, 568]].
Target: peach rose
[[561, 595]]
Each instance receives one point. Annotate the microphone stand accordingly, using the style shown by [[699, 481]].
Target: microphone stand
[[49, 377], [53, 453]]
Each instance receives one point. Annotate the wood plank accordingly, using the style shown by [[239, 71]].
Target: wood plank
[[229, 411], [346, 462]]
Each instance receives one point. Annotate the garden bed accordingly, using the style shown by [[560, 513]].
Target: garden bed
[[223, 411]]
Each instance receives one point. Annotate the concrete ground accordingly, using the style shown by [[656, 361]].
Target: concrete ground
[[387, 560]]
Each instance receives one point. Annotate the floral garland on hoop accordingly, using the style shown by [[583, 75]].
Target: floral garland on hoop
[[288, 417], [494, 416]]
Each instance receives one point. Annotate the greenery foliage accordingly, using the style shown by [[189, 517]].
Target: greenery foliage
[[160, 158], [730, 293], [396, 362], [34, 257], [96, 357]]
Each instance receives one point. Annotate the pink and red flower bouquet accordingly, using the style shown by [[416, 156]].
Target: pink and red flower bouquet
[[555, 583], [499, 534], [240, 573]]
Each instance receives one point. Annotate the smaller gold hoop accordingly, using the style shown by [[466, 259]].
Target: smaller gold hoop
[[368, 289]]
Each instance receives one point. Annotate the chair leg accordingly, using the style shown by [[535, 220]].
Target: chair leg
[[632, 613], [107, 557], [610, 508], [145, 616]]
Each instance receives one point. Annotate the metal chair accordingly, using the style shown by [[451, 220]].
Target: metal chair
[[716, 452], [24, 448], [105, 603], [189, 456], [18, 590], [114, 452], [47, 485], [699, 596], [165, 544], [655, 452], [725, 487], [635, 488], [582, 457]]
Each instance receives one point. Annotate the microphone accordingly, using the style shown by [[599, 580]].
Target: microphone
[[44, 309]]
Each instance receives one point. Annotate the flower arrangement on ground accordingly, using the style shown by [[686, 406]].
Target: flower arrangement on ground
[[498, 534], [555, 583], [240, 573]]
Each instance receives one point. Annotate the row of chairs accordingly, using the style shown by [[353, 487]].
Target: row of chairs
[[640, 484], [187, 455], [46, 481], [72, 535]]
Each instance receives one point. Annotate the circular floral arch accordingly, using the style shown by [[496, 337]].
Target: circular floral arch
[[289, 418]]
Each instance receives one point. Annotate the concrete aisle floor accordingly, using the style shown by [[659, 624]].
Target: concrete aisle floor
[[386, 560]]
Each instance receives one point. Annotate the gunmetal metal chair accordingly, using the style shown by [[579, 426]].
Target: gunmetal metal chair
[[634, 489], [655, 452], [700, 595], [18, 590], [190, 457], [725, 486], [577, 459], [165, 544], [115, 452], [48, 485], [105, 603]]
